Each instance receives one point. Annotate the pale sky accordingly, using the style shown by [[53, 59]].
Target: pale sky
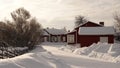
[[62, 13]]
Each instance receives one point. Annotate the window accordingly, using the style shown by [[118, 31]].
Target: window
[[64, 39], [59, 38], [55, 38], [70, 38], [45, 39], [52, 38], [103, 39]]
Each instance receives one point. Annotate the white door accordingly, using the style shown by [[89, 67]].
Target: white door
[[104, 39]]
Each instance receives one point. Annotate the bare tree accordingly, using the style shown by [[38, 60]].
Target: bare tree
[[28, 30], [117, 25], [23, 31], [20, 13], [20, 17], [80, 20], [117, 21]]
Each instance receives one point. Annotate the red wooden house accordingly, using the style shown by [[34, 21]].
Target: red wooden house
[[89, 33], [54, 35]]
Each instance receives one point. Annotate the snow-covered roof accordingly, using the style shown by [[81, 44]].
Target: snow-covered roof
[[88, 22], [71, 31], [45, 33], [56, 31], [96, 30]]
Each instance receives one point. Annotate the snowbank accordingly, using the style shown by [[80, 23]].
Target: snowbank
[[102, 48], [86, 50], [68, 48], [79, 50], [78, 61], [117, 59], [104, 51], [114, 50], [38, 58]]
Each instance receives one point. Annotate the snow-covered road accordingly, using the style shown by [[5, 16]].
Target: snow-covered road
[[77, 61]]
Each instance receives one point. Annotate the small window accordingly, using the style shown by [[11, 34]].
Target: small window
[[104, 39], [70, 38]]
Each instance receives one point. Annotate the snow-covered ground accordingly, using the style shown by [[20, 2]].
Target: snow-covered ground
[[38, 58], [53, 56], [104, 51], [80, 61]]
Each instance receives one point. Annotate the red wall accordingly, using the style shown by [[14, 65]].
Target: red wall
[[87, 40], [88, 24]]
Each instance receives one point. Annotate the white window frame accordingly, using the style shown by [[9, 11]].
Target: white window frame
[[70, 38]]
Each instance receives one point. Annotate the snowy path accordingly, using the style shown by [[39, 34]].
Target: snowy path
[[77, 61]]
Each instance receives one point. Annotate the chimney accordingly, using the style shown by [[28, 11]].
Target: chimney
[[101, 23], [68, 30]]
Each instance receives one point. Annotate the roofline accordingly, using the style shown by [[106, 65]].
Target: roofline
[[54, 34], [46, 31], [87, 22]]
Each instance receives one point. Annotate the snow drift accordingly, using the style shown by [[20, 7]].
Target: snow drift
[[67, 48], [38, 58], [104, 51]]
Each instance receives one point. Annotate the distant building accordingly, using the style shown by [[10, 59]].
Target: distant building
[[54, 35], [89, 33]]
